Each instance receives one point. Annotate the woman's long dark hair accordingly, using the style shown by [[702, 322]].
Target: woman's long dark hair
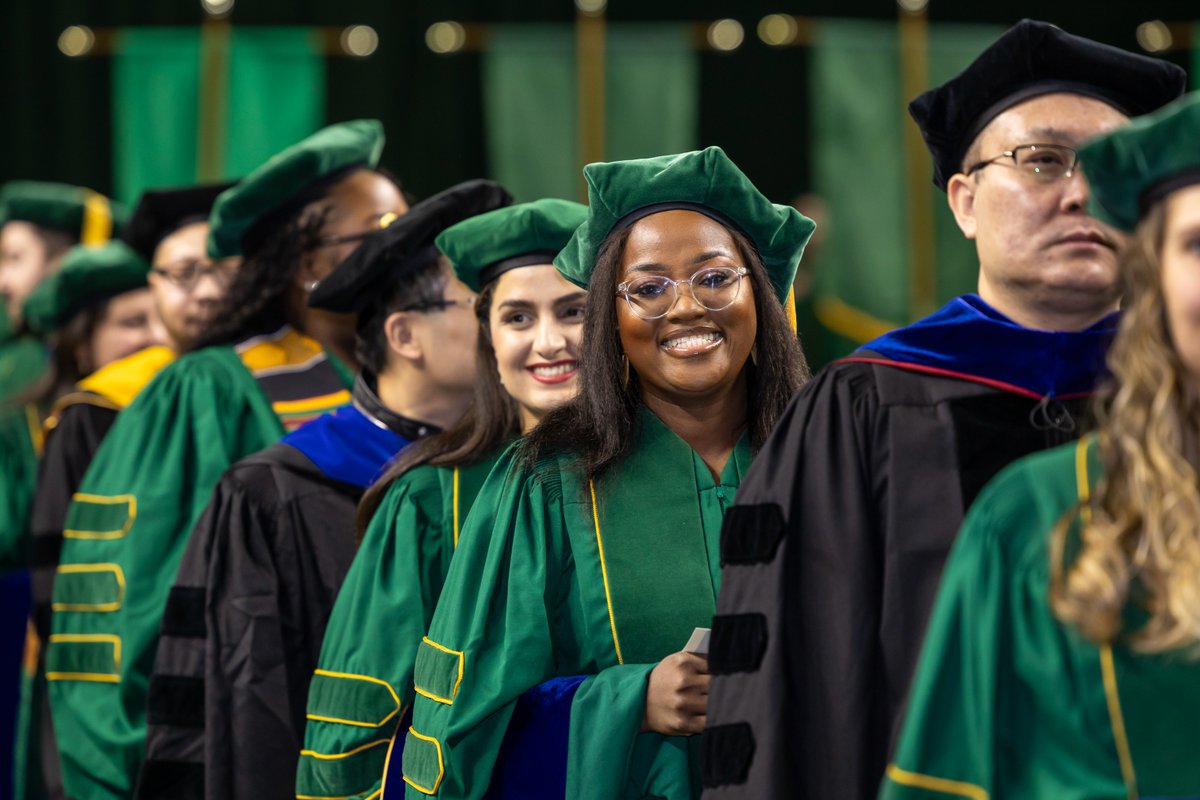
[[490, 421], [260, 295], [259, 298], [598, 424]]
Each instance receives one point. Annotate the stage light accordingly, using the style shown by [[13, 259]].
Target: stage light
[[445, 37], [359, 40], [591, 8], [217, 8], [76, 40], [913, 6], [726, 35], [1154, 36], [778, 29]]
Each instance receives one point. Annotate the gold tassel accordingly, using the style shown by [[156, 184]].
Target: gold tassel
[[625, 368]]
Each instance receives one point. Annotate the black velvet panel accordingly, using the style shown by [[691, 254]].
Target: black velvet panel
[[738, 643], [751, 534], [184, 614], [175, 700], [726, 752]]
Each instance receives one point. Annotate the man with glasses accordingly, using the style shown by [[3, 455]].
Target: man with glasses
[[833, 551], [256, 585]]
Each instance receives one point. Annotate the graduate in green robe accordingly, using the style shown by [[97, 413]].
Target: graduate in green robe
[[168, 229], [530, 328], [39, 223], [254, 375], [1062, 656], [593, 547]]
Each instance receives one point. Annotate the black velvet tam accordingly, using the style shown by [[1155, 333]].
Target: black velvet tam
[[384, 257], [1034, 58], [161, 212]]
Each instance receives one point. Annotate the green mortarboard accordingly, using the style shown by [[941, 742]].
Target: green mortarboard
[[88, 216], [88, 275], [291, 179], [1134, 166], [385, 256], [486, 246], [622, 192], [161, 212]]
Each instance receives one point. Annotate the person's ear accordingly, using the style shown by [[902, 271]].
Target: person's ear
[[403, 339], [960, 195]]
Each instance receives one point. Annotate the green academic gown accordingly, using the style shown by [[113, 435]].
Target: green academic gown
[[558, 576], [22, 361], [1008, 702], [127, 527], [363, 684]]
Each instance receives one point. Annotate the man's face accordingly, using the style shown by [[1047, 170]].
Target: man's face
[[187, 290], [1034, 237], [23, 264]]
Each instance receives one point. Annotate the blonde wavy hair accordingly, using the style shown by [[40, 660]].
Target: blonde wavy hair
[[1140, 531]]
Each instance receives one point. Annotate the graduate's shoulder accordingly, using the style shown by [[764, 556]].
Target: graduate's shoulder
[[280, 474], [121, 381], [895, 383], [1017, 512], [215, 371]]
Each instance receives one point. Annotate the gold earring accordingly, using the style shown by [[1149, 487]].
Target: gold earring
[[754, 354], [625, 368]]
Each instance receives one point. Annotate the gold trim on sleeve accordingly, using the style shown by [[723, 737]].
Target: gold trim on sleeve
[[932, 784]]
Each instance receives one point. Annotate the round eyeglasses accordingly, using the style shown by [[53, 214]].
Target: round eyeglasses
[[186, 274], [1042, 162], [653, 296]]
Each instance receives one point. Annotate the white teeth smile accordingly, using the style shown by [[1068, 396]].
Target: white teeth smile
[[555, 371], [694, 340]]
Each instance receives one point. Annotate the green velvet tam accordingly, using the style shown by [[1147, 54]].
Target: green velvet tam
[[1135, 165], [621, 192], [87, 277], [292, 178], [88, 216], [484, 247]]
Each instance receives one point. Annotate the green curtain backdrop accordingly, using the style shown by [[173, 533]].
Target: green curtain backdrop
[[529, 84], [273, 95], [858, 168]]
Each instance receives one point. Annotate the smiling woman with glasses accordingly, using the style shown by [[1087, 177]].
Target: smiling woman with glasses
[[593, 546]]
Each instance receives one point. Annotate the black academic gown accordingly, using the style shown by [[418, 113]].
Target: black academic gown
[[69, 449], [246, 617], [833, 552]]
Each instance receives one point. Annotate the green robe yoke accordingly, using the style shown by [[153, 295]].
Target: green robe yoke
[[556, 576], [127, 526], [363, 684], [1008, 702]]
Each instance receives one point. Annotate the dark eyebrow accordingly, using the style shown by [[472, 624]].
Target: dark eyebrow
[[573, 297], [517, 302], [649, 266], [708, 255]]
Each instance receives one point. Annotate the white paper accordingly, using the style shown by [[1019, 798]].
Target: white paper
[[698, 643]]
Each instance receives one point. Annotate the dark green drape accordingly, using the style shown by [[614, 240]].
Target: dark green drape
[[530, 93], [271, 94], [862, 285]]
